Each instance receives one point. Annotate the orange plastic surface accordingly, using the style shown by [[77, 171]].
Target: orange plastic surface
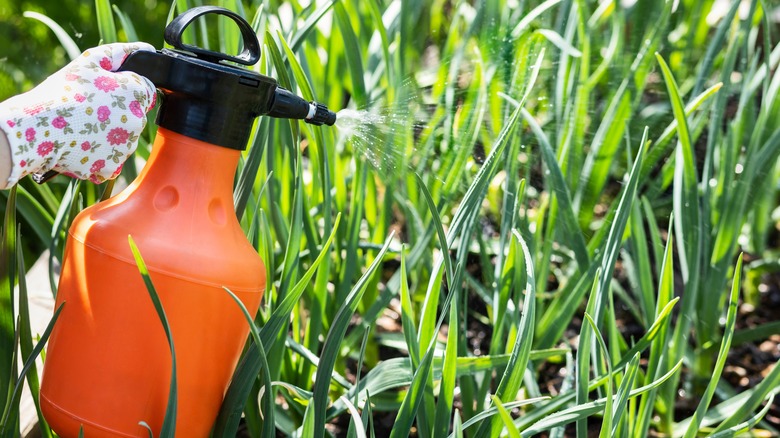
[[108, 364]]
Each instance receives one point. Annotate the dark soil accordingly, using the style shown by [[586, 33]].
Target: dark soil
[[749, 363], [746, 365]]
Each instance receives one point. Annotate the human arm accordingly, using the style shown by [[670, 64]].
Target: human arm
[[5, 160], [83, 121]]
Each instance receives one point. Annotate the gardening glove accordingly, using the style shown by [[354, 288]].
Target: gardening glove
[[83, 121]]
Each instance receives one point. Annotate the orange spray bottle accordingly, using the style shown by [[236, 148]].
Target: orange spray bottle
[[108, 364]]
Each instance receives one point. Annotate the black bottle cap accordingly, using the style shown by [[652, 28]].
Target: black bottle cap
[[203, 97]]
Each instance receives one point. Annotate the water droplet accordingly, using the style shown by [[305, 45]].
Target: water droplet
[[371, 136]]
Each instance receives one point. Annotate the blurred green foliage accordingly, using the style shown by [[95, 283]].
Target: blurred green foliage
[[31, 52]]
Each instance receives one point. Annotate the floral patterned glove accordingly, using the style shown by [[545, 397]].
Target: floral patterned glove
[[83, 121]]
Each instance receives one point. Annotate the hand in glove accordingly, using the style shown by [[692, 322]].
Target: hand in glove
[[83, 121]]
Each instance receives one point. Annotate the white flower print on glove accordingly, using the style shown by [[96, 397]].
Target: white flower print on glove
[[83, 121]]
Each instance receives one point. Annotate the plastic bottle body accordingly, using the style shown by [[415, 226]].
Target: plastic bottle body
[[108, 364]]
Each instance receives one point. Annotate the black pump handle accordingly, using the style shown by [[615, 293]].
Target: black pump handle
[[249, 56]]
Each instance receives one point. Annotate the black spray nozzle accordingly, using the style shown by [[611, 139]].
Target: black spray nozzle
[[287, 105], [322, 115]]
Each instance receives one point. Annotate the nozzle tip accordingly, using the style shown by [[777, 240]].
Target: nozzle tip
[[321, 115]]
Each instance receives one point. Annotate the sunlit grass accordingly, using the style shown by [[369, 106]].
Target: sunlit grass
[[507, 171]]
